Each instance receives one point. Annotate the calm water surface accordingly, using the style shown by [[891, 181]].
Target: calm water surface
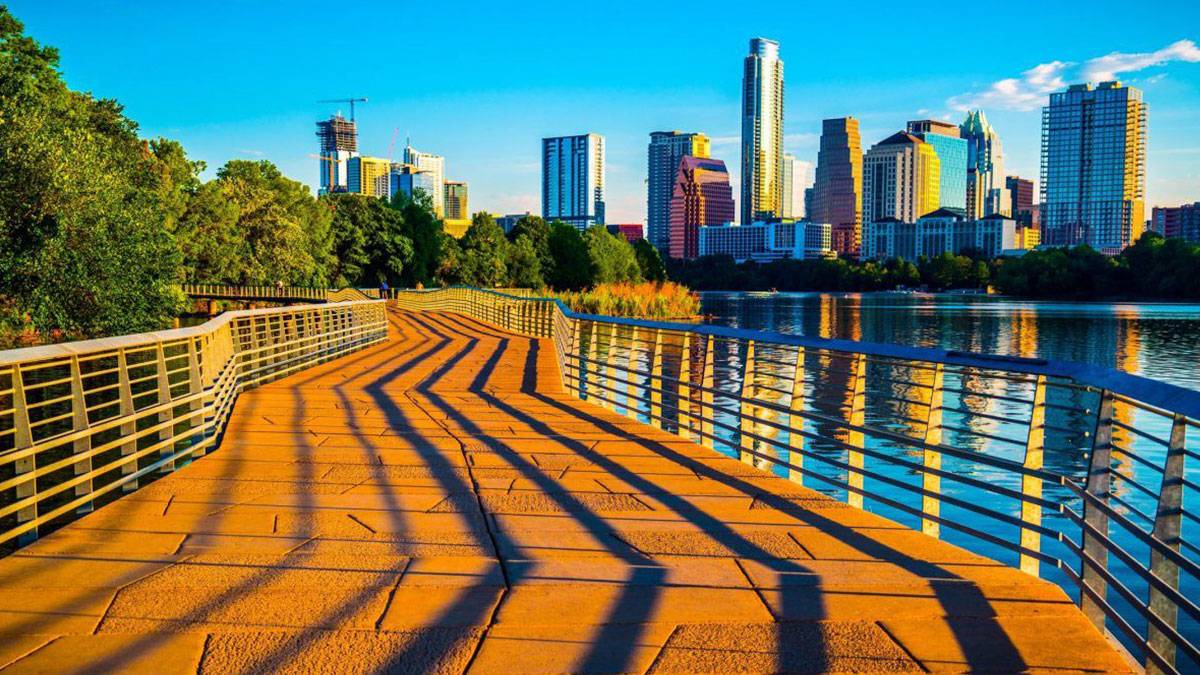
[[1158, 340]]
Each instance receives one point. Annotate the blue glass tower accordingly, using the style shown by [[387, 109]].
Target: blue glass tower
[[952, 157]]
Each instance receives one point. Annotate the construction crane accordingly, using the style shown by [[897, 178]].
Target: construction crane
[[334, 161], [351, 101], [392, 145]]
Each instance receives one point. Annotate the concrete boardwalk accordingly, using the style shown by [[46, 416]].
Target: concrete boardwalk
[[437, 503]]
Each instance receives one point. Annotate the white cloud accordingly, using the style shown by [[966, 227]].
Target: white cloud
[[1111, 66], [1029, 91]]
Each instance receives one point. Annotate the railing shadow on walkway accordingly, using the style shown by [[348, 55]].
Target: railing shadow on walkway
[[962, 598]]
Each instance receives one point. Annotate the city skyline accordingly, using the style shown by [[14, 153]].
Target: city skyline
[[489, 122]]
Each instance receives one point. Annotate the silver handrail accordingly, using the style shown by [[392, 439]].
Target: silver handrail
[[83, 422], [1069, 471]]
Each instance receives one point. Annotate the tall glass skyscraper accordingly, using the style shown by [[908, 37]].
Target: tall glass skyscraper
[[951, 150], [987, 192], [667, 148], [435, 166], [762, 132], [573, 179], [837, 189], [1094, 167]]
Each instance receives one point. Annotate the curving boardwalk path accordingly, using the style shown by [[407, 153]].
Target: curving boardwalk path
[[437, 503]]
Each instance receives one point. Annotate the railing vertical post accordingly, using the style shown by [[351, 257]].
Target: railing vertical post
[[166, 415], [573, 360], [931, 460], [196, 391], [633, 406], [1167, 529], [656, 382], [1095, 520], [125, 404], [83, 444], [683, 395], [610, 362], [746, 407], [1031, 486], [858, 410], [590, 371], [706, 396], [795, 458], [23, 440]]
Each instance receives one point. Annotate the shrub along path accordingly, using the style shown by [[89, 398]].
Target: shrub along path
[[437, 503]]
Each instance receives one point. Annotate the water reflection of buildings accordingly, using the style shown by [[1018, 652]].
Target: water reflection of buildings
[[1077, 334]]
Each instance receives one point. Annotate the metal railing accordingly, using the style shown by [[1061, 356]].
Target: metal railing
[[277, 294], [1067, 471], [83, 422]]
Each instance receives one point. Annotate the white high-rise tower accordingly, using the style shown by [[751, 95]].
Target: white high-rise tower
[[762, 132]]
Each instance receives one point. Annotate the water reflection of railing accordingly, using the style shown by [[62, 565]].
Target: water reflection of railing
[[83, 422], [1072, 472]]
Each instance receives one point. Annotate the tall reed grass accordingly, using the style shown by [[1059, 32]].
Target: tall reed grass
[[647, 300]]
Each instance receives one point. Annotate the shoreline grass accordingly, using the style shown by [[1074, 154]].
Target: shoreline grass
[[646, 300]]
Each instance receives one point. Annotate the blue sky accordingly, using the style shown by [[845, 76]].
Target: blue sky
[[481, 83]]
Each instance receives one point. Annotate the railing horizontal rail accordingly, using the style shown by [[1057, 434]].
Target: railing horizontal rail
[[85, 421]]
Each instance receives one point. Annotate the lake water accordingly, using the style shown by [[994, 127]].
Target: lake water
[[1157, 340]]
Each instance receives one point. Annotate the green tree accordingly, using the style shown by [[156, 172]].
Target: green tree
[[86, 206], [524, 266], [369, 242], [425, 231], [449, 270], [538, 232], [209, 239], [282, 230], [612, 258], [485, 253], [572, 265], [649, 261]]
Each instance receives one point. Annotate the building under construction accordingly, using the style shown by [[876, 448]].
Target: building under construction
[[339, 142]]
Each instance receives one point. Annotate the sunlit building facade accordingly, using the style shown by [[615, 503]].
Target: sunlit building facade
[[1020, 197], [666, 149], [901, 177], [408, 180], [573, 180], [951, 150], [942, 231], [837, 188], [1179, 222], [368, 176], [987, 192], [762, 132], [1094, 167], [767, 241], [796, 180], [702, 196], [455, 198], [435, 166]]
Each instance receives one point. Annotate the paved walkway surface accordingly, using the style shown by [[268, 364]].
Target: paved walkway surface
[[438, 504]]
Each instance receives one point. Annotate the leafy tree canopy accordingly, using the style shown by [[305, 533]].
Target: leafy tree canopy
[[612, 258]]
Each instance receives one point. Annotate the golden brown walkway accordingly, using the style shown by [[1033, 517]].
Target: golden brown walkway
[[437, 503]]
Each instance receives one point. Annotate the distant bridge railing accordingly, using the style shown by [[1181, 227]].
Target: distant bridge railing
[[83, 422], [277, 293], [1072, 472]]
